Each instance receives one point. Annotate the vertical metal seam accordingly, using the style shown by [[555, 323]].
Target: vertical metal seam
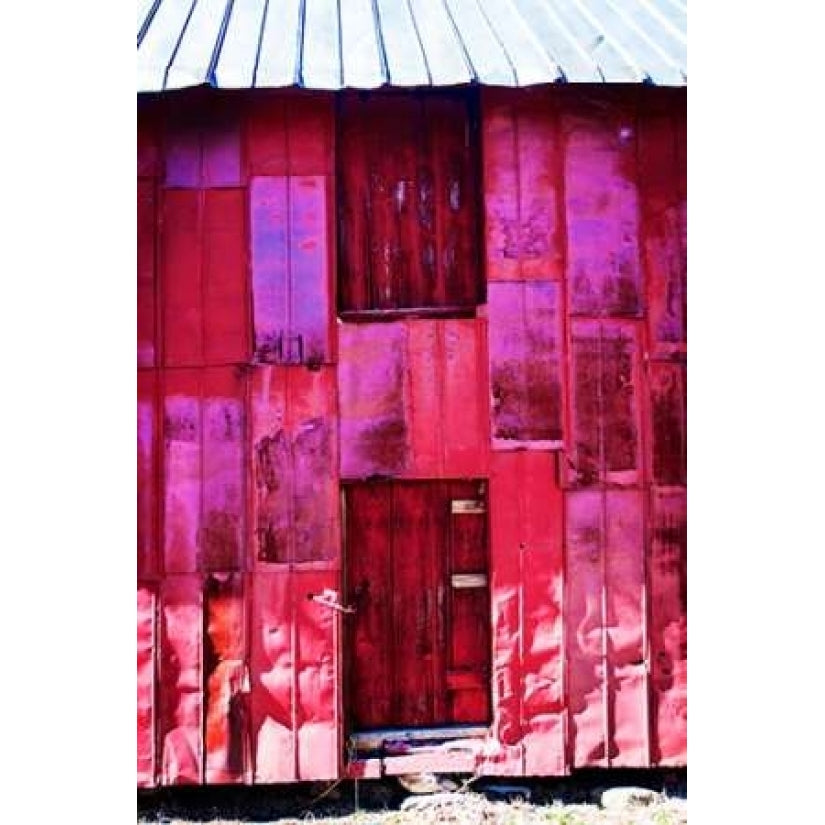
[[177, 45], [498, 40], [420, 44], [603, 549], [379, 39], [147, 22], [465, 54], [219, 41], [294, 658], [298, 72], [259, 46]]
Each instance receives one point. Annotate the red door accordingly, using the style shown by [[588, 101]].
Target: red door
[[416, 573]]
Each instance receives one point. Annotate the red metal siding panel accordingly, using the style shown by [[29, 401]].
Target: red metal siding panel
[[662, 212], [668, 583], [145, 687], [222, 522], [607, 689], [525, 356], [625, 627], [221, 147], [273, 684], [181, 276], [227, 680], [147, 503], [295, 465], [311, 133], [225, 309], [602, 214], [181, 681], [371, 386], [266, 135], [183, 457], [316, 660], [521, 183], [584, 599], [668, 405], [605, 403], [146, 234], [148, 148]]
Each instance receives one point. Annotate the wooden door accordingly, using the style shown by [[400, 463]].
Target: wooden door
[[418, 644]]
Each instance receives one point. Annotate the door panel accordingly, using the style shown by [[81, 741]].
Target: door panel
[[417, 570]]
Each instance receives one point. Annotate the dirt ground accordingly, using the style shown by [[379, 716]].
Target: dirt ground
[[571, 801]]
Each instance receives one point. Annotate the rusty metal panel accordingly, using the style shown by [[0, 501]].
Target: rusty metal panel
[[668, 408], [606, 641], [604, 271], [605, 381], [662, 198], [182, 467], [290, 269], [668, 630], [413, 399], [180, 724], [204, 489], [146, 642], [294, 678], [522, 182], [525, 357], [148, 143], [147, 469], [296, 508], [181, 278], [224, 298], [146, 236], [223, 496], [273, 694], [226, 704]]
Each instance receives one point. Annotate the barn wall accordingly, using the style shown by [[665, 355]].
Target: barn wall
[[566, 390]]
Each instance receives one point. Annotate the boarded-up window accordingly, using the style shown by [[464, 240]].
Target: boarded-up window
[[407, 211]]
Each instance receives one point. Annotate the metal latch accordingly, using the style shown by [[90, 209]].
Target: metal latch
[[329, 598], [465, 581], [467, 506]]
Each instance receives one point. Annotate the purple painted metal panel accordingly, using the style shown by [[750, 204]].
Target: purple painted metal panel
[[147, 462], [525, 356], [221, 147]]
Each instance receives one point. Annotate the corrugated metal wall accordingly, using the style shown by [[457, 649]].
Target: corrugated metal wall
[[566, 391]]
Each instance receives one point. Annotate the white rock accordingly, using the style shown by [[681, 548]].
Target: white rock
[[629, 798]]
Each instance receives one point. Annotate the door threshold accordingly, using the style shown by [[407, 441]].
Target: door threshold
[[402, 740]]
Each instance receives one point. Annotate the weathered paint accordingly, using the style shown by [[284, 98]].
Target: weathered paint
[[607, 691], [525, 361], [413, 399], [180, 681], [146, 645], [572, 374], [290, 269], [295, 460], [294, 690], [420, 639], [226, 673], [526, 518], [522, 153], [668, 638]]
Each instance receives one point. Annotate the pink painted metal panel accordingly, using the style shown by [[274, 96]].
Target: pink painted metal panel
[[147, 419], [604, 272], [541, 514], [310, 273], [273, 695], [605, 380], [181, 681], [223, 497], [317, 677], [668, 614], [226, 711], [585, 640], [374, 434], [224, 298], [295, 466], [525, 355], [270, 264], [420, 373], [625, 628], [146, 235], [145, 687], [182, 465], [181, 278]]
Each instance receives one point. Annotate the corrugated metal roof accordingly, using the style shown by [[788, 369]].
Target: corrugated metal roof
[[364, 44]]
